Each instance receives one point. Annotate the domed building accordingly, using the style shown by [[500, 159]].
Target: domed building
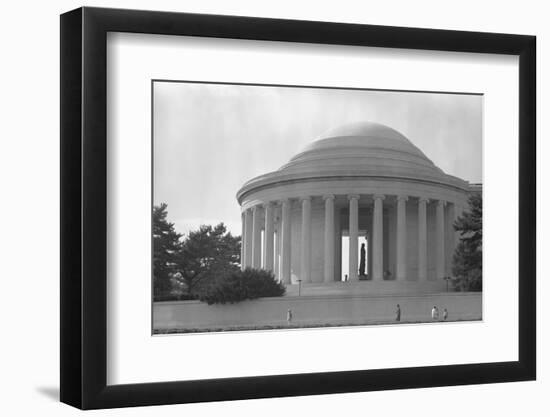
[[365, 182]]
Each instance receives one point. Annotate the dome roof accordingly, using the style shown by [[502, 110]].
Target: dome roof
[[361, 146], [359, 150]]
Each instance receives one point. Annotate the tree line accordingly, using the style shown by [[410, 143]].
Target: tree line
[[204, 265], [182, 265]]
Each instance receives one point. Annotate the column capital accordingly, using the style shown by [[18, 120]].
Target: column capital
[[378, 197], [441, 203], [401, 197], [268, 204], [423, 199], [328, 197], [305, 198], [353, 197]]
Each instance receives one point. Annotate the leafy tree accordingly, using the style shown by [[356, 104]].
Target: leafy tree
[[467, 259], [166, 246], [206, 255], [243, 285]]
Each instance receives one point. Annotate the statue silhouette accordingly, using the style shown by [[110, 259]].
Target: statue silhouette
[[362, 262]]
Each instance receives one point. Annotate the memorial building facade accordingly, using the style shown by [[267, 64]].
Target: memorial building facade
[[361, 182]]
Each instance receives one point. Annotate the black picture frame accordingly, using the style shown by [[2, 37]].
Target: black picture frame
[[84, 179]]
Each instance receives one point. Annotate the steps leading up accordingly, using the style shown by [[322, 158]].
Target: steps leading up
[[368, 288]]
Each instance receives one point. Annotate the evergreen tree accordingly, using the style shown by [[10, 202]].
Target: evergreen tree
[[206, 255], [467, 259], [166, 246]]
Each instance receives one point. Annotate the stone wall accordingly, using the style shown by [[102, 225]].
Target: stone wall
[[313, 310]]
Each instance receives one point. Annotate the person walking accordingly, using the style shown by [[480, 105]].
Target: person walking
[[445, 314], [435, 313], [398, 313], [289, 316]]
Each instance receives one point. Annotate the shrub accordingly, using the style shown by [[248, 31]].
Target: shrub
[[243, 285]]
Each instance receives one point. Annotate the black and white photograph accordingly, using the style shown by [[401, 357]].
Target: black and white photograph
[[276, 209], [282, 207]]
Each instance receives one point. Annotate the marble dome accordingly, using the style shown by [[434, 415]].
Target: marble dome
[[358, 150]]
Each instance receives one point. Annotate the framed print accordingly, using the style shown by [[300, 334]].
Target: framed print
[[258, 208]]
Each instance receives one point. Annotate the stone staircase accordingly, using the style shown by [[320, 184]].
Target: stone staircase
[[389, 287]]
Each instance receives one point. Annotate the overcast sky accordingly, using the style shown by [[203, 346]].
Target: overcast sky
[[209, 139]]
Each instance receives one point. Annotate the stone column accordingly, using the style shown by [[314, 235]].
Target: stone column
[[329, 238], [378, 238], [277, 262], [242, 240], [337, 244], [268, 237], [247, 238], [353, 236], [305, 253], [256, 238], [440, 240], [422, 240], [285, 242], [401, 264]]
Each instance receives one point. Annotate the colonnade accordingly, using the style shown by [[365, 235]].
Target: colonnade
[[277, 231]]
